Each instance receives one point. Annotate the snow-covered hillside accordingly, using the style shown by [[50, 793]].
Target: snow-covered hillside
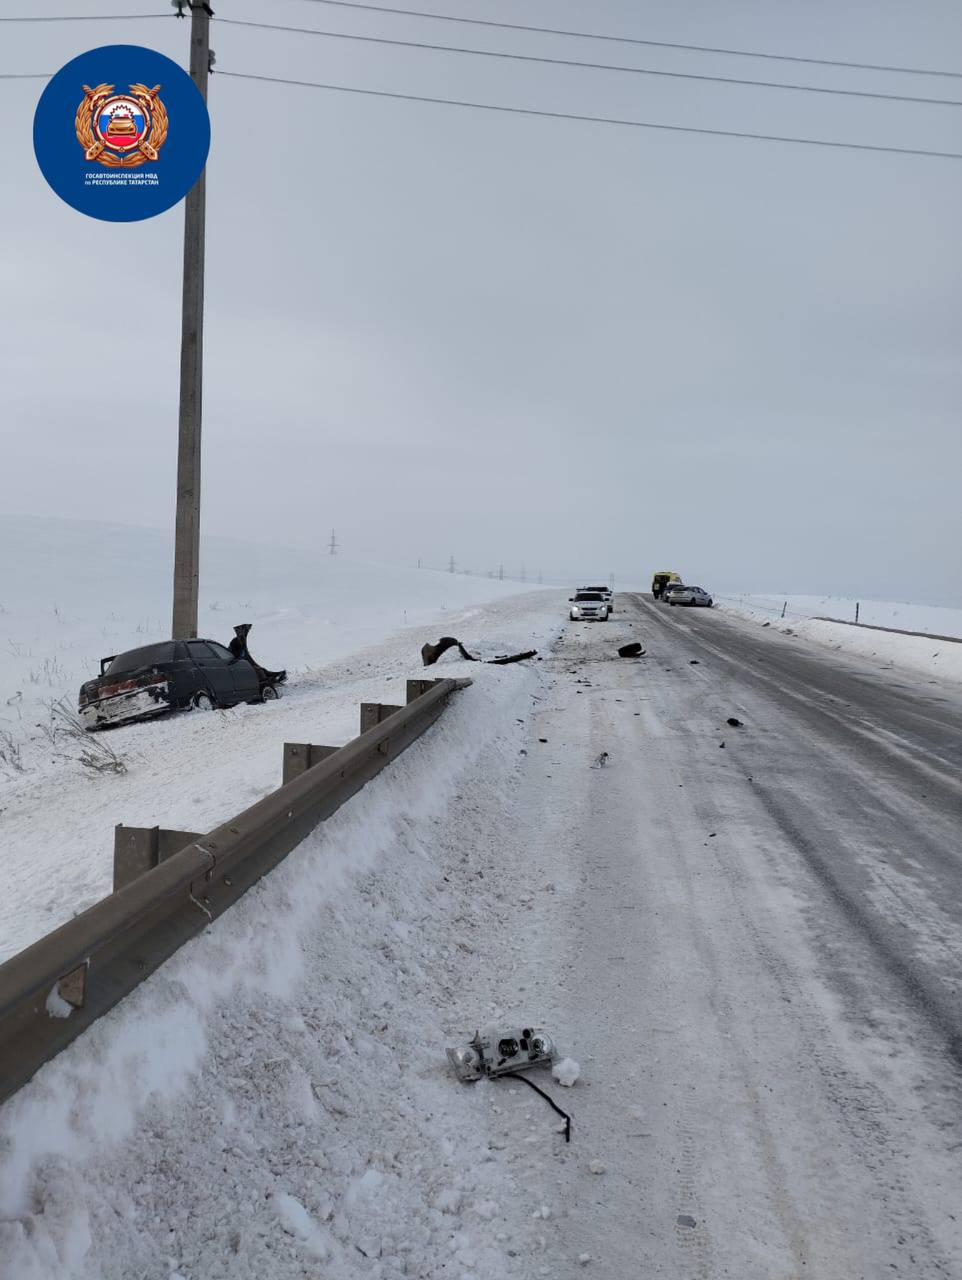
[[72, 592]]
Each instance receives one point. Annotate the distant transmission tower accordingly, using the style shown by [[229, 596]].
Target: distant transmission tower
[[523, 579], [501, 573], [451, 565], [540, 578], [332, 548]]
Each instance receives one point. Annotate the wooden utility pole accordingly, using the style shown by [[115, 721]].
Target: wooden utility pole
[[187, 522]]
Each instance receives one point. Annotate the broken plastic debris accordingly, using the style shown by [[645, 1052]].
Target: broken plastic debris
[[496, 1051], [633, 650], [431, 652], [601, 761]]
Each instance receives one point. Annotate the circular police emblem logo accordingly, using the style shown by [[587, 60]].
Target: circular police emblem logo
[[120, 130], [121, 133]]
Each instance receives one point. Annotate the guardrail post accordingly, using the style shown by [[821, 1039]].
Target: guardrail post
[[374, 713], [300, 756], [417, 687], [140, 849]]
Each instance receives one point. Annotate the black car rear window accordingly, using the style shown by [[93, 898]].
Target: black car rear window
[[150, 656]]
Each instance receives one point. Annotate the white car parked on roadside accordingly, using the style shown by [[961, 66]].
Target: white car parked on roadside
[[692, 596]]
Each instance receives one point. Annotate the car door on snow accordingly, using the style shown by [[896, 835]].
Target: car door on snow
[[214, 670]]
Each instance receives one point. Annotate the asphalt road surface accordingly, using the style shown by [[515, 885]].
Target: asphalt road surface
[[753, 939]]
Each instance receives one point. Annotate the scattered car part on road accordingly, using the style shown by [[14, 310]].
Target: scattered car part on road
[[494, 1052], [506, 1054], [431, 652], [632, 650]]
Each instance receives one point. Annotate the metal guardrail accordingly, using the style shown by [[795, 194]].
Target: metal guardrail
[[53, 990]]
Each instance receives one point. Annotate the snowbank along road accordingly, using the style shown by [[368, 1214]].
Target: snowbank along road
[[746, 934]]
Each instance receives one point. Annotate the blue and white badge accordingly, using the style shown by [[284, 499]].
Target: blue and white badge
[[121, 133]]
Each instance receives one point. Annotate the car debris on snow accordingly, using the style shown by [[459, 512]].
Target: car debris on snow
[[431, 652], [496, 1051], [499, 1053], [601, 761], [632, 650]]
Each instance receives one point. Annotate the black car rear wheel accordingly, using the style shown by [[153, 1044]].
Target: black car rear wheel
[[269, 693], [203, 702]]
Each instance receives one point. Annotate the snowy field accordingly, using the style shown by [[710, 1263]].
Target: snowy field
[[72, 592], [805, 617]]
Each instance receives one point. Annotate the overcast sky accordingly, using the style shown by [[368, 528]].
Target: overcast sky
[[453, 332]]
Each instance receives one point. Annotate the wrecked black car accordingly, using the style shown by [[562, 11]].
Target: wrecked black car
[[173, 675]]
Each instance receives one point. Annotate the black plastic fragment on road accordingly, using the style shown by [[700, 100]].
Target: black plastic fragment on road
[[431, 652], [734, 722], [633, 650]]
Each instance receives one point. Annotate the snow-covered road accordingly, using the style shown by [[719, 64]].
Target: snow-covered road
[[755, 947], [751, 948]]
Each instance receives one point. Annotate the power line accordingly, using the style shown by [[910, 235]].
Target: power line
[[610, 120], [635, 40], [591, 66], [88, 17]]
